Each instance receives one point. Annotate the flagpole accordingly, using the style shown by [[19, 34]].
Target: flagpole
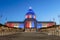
[[59, 19], [0, 18], [53, 19]]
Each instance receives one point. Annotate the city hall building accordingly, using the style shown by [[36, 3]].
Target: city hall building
[[30, 23]]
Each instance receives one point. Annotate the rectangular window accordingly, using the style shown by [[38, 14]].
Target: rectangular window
[[39, 25]]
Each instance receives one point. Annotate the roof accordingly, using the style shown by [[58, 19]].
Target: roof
[[31, 19], [14, 22], [45, 22]]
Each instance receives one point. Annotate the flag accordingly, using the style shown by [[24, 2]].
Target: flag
[[58, 15], [0, 16], [6, 19], [53, 19]]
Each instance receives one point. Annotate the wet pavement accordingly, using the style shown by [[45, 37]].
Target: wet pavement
[[29, 36]]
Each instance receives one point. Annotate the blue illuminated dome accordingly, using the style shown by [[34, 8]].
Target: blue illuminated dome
[[30, 13]]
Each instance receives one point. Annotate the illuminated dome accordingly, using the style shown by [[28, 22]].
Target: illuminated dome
[[30, 13]]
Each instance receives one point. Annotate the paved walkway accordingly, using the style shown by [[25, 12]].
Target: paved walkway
[[29, 36]]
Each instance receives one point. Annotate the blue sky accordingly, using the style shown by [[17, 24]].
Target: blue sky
[[15, 10]]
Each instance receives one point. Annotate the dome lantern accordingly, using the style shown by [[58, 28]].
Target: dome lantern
[[30, 14]]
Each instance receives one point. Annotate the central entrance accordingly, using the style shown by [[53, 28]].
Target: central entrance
[[30, 26], [30, 30]]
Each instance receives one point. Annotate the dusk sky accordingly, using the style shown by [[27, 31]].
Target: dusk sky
[[15, 10]]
